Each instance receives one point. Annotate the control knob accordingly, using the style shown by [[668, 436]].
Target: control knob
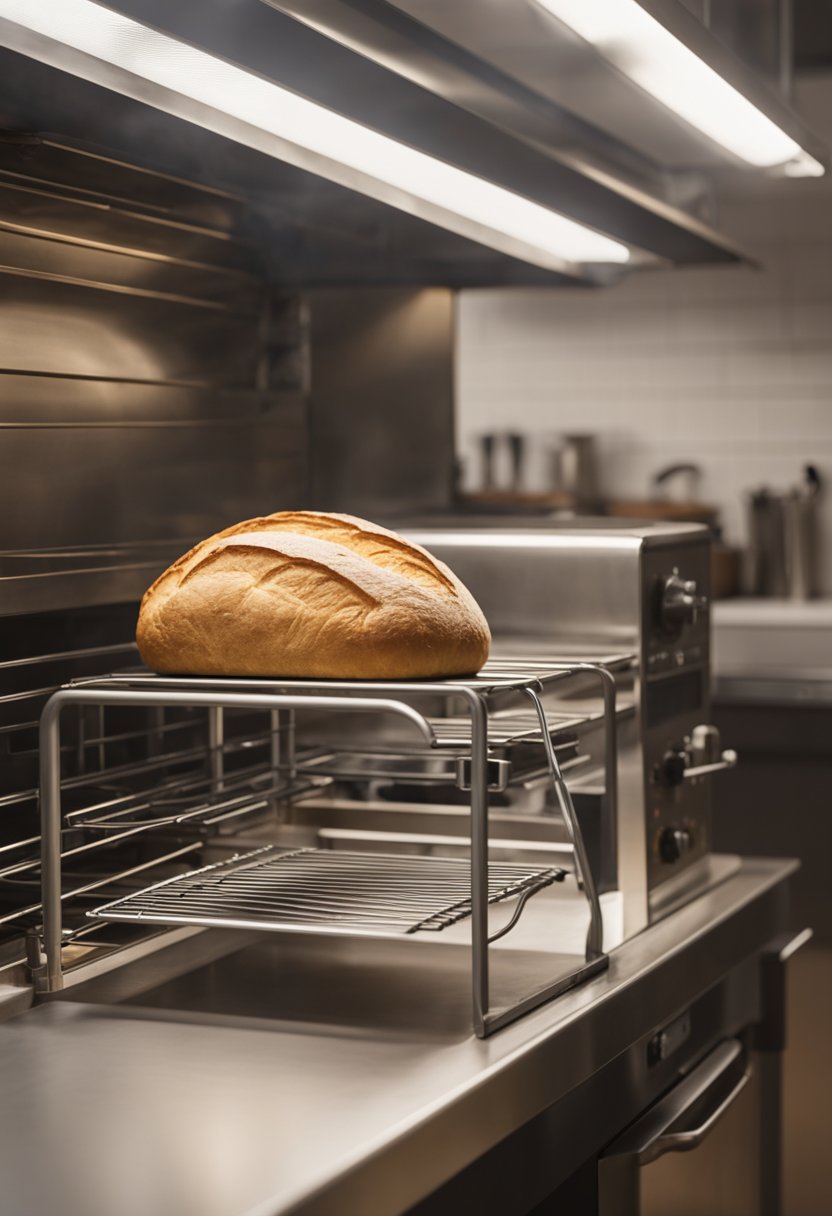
[[674, 843], [671, 768], [680, 603]]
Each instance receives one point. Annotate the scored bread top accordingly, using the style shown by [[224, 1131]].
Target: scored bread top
[[308, 594]]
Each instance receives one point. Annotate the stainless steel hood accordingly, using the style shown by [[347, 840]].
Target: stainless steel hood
[[319, 224], [523, 42], [491, 61]]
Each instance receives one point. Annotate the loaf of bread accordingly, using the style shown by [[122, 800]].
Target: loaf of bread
[[307, 594]]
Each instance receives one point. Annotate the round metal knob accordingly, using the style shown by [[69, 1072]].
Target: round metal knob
[[680, 603], [674, 843]]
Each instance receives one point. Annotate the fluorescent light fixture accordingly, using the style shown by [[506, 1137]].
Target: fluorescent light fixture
[[80, 36], [665, 68], [803, 165]]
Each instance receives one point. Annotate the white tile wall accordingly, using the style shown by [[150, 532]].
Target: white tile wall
[[729, 368]]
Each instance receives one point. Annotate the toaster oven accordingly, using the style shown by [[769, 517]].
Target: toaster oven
[[580, 585]]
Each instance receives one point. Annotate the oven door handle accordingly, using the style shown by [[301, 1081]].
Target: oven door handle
[[714, 1084], [684, 1141], [656, 1132]]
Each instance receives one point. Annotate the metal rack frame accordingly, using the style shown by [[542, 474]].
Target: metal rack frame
[[281, 698]]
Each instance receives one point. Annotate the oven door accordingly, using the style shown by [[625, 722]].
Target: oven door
[[710, 1117]]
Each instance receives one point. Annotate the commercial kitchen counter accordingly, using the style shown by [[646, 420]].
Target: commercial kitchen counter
[[125, 1109], [772, 652]]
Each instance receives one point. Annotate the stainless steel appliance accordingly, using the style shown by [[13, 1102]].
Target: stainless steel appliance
[[576, 586]]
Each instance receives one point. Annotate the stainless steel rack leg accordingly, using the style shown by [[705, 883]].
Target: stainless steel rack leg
[[608, 693], [595, 959], [49, 976], [282, 749], [275, 750], [216, 740], [479, 861], [595, 935]]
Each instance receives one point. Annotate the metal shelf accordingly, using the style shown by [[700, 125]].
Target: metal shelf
[[499, 675], [378, 893], [325, 891], [507, 728]]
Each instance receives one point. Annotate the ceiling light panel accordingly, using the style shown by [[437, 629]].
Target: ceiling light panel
[[270, 118]]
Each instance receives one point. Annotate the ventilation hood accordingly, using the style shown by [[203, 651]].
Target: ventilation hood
[[592, 58], [376, 142]]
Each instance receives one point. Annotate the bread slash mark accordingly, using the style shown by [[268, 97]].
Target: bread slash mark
[[281, 579], [285, 569]]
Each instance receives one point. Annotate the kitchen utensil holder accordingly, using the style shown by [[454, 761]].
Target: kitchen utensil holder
[[500, 678]]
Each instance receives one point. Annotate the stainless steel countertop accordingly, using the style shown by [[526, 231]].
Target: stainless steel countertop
[[115, 1110]]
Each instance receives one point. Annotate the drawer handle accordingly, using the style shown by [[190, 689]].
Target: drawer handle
[[682, 1142], [653, 1134]]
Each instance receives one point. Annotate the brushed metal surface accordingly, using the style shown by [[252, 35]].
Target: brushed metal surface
[[195, 216], [147, 367], [83, 329], [44, 255], [241, 1113], [138, 485], [382, 400], [504, 64], [521, 39], [553, 584], [66, 578]]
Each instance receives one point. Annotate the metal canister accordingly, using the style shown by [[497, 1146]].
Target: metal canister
[[783, 540]]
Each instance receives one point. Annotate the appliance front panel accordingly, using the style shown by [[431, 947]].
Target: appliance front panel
[[675, 700]]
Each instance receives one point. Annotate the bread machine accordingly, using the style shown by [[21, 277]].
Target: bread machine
[[588, 586]]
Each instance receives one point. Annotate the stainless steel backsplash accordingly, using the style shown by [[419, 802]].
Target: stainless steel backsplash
[[151, 380], [382, 400]]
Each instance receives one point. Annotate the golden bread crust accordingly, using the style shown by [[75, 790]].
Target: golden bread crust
[[307, 594]]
